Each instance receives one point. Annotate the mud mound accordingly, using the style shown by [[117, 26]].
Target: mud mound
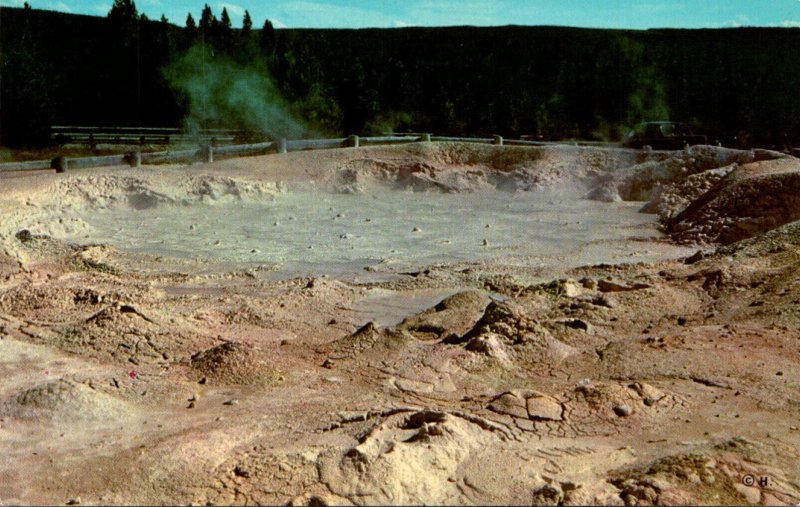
[[210, 187], [105, 191], [464, 167], [235, 364], [48, 303], [506, 334], [589, 409], [123, 332], [639, 182], [64, 399], [683, 479], [110, 191], [409, 458], [781, 239], [670, 200], [36, 244], [366, 338], [456, 314], [751, 200]]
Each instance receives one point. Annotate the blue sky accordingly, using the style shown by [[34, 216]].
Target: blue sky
[[397, 13]]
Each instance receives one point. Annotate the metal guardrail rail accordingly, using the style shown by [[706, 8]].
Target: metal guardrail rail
[[141, 135]]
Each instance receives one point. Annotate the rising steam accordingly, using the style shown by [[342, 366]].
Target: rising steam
[[223, 94]]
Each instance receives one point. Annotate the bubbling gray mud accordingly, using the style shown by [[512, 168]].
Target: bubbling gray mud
[[315, 232]]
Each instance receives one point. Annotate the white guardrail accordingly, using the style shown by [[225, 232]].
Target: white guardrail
[[209, 152]]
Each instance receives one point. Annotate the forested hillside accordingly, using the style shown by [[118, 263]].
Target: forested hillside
[[553, 82]]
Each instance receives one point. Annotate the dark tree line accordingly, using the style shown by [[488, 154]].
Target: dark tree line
[[552, 82]]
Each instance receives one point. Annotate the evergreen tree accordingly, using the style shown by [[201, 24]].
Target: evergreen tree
[[246, 50], [207, 21], [268, 37], [224, 35], [225, 20], [123, 10], [191, 29], [247, 24]]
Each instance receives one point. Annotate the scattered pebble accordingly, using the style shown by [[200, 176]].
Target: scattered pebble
[[623, 410], [74, 501], [485, 242], [233, 401], [416, 229]]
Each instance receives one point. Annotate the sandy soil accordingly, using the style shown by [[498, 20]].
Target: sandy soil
[[129, 377]]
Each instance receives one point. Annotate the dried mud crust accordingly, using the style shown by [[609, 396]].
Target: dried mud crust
[[635, 384]]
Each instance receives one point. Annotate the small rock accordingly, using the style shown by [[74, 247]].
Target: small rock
[[202, 381], [509, 404], [696, 257], [74, 501], [327, 363], [485, 242], [577, 324], [191, 405], [416, 229], [194, 397], [623, 410], [233, 401], [544, 408], [548, 494]]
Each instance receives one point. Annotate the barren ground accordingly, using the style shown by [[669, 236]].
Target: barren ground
[[167, 336]]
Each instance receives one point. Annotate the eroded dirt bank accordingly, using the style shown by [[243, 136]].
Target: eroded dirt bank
[[128, 378]]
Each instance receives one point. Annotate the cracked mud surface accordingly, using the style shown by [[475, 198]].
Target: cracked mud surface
[[128, 378]]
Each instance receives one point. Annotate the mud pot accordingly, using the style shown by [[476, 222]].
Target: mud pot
[[433, 323]]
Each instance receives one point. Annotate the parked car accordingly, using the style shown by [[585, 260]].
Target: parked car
[[662, 135]]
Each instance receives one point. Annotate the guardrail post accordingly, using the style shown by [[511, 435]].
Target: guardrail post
[[426, 138], [60, 164], [498, 140], [135, 159], [353, 141], [208, 154], [282, 146]]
